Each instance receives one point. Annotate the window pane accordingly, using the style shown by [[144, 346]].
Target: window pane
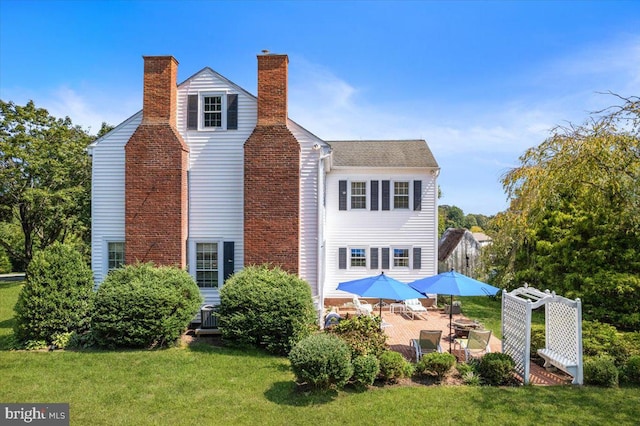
[[401, 195], [115, 255], [212, 106], [358, 257], [358, 195], [401, 258], [207, 264]]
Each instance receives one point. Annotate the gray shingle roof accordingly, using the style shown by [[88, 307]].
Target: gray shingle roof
[[393, 153]]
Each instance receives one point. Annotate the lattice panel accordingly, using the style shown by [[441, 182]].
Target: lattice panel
[[515, 332], [561, 329]]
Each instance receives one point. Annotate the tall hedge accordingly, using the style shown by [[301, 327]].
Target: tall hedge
[[143, 306], [56, 297], [266, 307]]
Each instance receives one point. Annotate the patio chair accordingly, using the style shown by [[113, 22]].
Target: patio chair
[[428, 342], [477, 342], [413, 306], [362, 308]]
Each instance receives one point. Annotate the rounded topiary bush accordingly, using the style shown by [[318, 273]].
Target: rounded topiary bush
[[321, 360], [142, 306], [600, 371], [436, 364], [365, 370], [632, 370], [56, 298], [393, 366], [266, 307], [496, 369]]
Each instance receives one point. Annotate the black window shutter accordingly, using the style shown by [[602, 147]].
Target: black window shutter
[[192, 112], [386, 195], [374, 258], [342, 190], [232, 112], [228, 255], [385, 258], [417, 195], [417, 258], [342, 258], [374, 195]]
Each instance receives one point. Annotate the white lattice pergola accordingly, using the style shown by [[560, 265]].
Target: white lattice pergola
[[563, 330]]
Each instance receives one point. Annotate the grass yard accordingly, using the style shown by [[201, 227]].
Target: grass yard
[[208, 385]]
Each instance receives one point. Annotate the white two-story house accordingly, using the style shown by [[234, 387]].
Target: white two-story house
[[210, 178]]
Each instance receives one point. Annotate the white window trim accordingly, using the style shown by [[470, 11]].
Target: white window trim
[[392, 257], [409, 195], [367, 190], [223, 112], [105, 252], [366, 257], [192, 259]]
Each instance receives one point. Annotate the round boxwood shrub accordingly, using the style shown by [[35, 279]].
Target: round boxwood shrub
[[435, 364], [322, 361], [365, 370], [393, 366], [600, 371], [266, 307], [56, 298], [142, 306], [363, 335], [496, 369], [632, 370]]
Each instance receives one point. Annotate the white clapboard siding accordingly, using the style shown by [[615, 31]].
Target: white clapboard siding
[[107, 192], [404, 228], [309, 159]]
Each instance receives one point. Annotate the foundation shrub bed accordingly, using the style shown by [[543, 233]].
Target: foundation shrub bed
[[321, 360], [142, 306], [266, 307], [56, 298]]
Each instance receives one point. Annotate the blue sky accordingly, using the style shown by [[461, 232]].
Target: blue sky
[[481, 81]]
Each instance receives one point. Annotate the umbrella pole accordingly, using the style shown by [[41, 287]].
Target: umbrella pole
[[450, 321]]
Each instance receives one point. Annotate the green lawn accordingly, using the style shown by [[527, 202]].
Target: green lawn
[[208, 385]]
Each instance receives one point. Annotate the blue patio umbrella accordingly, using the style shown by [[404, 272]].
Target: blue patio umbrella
[[453, 284], [382, 287]]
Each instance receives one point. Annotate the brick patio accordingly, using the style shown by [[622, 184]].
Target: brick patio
[[400, 329]]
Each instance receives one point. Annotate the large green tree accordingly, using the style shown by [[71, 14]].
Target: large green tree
[[45, 180], [573, 224]]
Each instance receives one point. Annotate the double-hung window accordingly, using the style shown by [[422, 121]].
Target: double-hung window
[[401, 195], [115, 256], [358, 195], [212, 111], [207, 265], [358, 258], [400, 258]]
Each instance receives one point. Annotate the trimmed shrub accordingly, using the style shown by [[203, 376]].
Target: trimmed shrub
[[363, 335], [496, 369], [632, 370], [322, 361], [56, 297], [266, 307], [537, 340], [142, 306], [393, 366], [436, 364], [603, 339], [600, 371], [365, 370]]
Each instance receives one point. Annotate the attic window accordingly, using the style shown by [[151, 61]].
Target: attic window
[[212, 111]]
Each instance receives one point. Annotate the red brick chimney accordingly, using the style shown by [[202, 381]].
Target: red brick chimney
[[272, 174], [156, 163]]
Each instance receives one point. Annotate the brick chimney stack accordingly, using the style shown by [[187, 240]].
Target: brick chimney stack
[[156, 164], [272, 174]]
